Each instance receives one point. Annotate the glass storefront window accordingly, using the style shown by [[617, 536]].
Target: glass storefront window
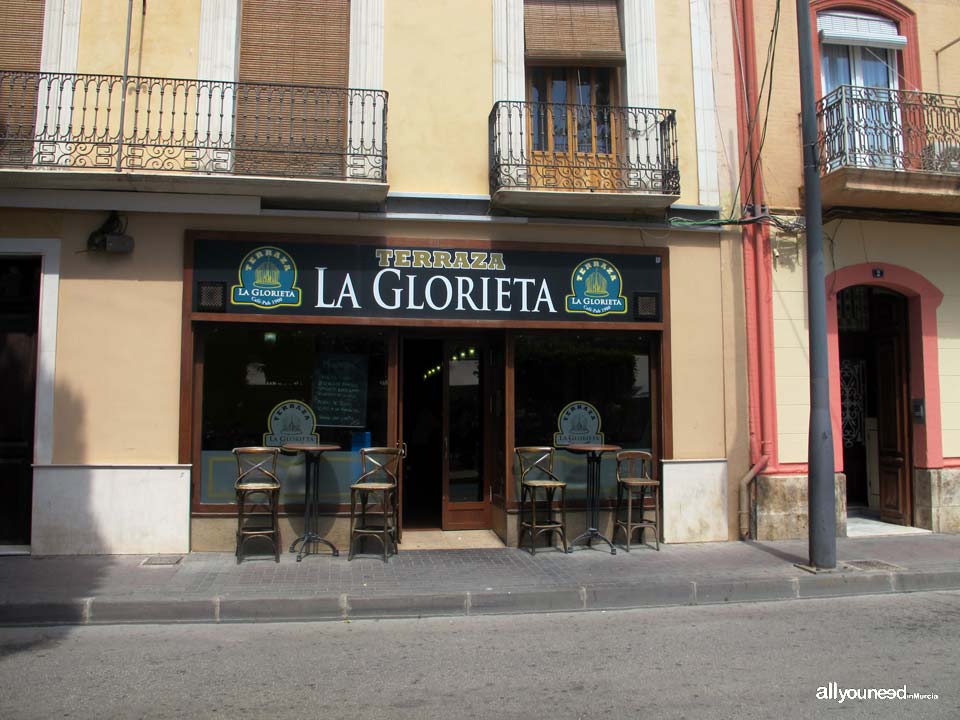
[[266, 385], [583, 387]]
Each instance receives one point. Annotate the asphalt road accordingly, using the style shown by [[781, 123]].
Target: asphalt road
[[764, 660]]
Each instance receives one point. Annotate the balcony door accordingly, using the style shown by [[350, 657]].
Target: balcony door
[[865, 78], [572, 128]]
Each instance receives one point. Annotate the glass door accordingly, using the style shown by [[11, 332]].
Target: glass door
[[870, 103], [572, 128], [466, 493]]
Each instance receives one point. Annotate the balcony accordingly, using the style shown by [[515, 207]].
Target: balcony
[[583, 159], [300, 142], [892, 149]]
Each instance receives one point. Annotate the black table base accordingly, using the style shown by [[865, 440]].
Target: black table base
[[311, 533], [593, 510]]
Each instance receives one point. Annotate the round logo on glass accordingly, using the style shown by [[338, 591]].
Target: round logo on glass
[[291, 421], [578, 423]]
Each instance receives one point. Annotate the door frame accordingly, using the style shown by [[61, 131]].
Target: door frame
[[467, 515], [48, 249], [479, 514], [923, 299]]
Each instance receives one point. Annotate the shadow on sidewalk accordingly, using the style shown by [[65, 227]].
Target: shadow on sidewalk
[[61, 502], [789, 557]]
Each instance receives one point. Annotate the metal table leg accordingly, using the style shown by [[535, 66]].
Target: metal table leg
[[311, 516], [593, 506]]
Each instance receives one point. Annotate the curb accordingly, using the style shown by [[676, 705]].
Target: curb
[[221, 609]]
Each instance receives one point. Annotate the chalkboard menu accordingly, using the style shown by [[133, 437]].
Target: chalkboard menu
[[340, 390]]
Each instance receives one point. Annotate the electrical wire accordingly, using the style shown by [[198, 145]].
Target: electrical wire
[[755, 167]]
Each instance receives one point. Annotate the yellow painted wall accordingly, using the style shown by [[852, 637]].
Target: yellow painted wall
[[938, 23], [438, 70], [675, 82], [118, 346], [163, 42], [698, 349], [930, 250]]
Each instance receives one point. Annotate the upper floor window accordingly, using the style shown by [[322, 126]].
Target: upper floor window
[[858, 49], [860, 79], [570, 109]]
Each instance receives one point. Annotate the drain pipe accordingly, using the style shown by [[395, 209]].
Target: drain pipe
[[936, 55], [745, 496]]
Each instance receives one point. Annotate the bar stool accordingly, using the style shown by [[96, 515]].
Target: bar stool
[[633, 475], [258, 497], [380, 468], [539, 460]]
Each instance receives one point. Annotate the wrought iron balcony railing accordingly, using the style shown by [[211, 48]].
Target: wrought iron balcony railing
[[867, 127], [590, 148], [103, 122]]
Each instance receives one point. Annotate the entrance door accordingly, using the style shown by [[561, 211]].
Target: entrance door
[[889, 352], [445, 424], [466, 494], [874, 402], [19, 313]]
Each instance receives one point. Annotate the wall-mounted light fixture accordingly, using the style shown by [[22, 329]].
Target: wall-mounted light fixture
[[111, 236]]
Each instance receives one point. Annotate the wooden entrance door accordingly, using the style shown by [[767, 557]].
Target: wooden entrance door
[[888, 320], [466, 485], [19, 313]]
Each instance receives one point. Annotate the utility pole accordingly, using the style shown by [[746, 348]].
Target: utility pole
[[821, 497]]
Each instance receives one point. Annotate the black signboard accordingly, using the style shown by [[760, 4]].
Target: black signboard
[[376, 280], [340, 390]]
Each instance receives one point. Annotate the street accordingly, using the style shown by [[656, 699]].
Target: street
[[734, 661]]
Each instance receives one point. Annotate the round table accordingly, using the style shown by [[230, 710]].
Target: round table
[[311, 500], [593, 451]]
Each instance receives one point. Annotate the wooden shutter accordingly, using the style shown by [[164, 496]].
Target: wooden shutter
[[21, 34], [295, 41], [21, 37], [565, 30], [291, 44]]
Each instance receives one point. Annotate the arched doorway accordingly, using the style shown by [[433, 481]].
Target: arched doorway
[[874, 337]]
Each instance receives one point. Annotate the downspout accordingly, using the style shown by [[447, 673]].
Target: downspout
[[123, 85], [756, 254], [745, 496], [936, 56]]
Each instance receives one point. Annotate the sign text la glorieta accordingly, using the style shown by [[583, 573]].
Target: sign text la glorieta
[[394, 289]]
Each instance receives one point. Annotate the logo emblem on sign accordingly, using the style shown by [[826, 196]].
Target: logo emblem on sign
[[596, 286], [578, 423], [268, 279], [291, 421]]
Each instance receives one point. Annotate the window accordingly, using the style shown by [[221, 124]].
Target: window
[[265, 385], [584, 387], [859, 76], [571, 110]]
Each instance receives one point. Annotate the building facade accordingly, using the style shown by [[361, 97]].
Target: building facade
[[460, 227], [888, 78]]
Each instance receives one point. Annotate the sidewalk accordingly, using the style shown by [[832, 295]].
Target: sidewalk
[[211, 587]]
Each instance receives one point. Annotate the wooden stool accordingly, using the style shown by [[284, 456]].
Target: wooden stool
[[633, 475], [380, 467], [539, 460], [258, 497]]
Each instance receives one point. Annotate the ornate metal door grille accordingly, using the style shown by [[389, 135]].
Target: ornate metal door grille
[[852, 402]]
